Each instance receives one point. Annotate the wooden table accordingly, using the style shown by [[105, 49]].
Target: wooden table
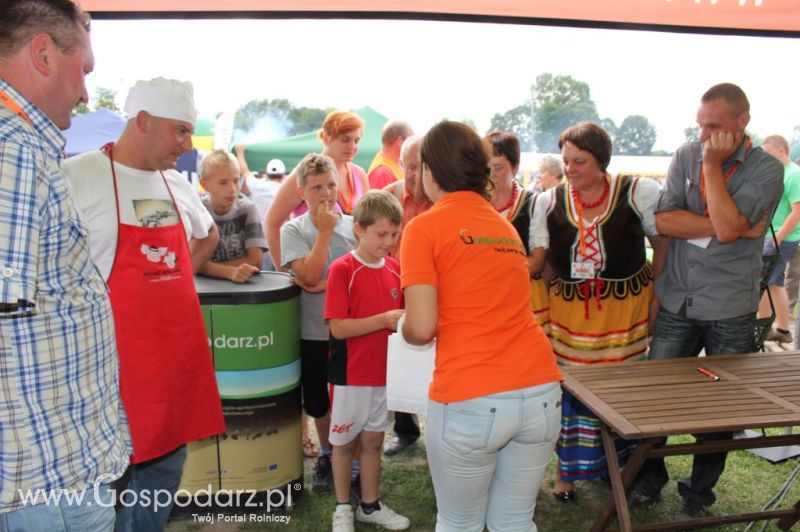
[[653, 399]]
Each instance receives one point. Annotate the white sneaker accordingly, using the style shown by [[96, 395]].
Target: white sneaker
[[343, 519], [385, 517]]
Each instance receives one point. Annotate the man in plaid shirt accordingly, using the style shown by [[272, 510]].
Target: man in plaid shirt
[[62, 426]]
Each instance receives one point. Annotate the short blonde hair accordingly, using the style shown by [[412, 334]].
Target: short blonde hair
[[377, 204], [314, 164], [215, 159]]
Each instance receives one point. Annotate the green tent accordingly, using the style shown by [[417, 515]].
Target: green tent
[[291, 150]]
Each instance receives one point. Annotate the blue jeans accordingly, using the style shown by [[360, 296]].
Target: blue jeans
[[488, 455], [136, 504], [94, 512], [676, 336]]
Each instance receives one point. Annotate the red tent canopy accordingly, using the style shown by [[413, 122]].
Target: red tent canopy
[[770, 16]]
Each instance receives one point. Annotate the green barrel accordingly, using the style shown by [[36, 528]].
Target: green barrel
[[254, 334]]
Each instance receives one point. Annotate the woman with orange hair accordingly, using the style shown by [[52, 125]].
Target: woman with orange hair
[[340, 133]]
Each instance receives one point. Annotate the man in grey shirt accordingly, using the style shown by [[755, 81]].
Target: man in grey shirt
[[719, 193]]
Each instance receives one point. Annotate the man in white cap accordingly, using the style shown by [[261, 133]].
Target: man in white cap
[[141, 216]]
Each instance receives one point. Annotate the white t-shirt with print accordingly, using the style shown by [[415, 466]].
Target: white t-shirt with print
[[143, 201]]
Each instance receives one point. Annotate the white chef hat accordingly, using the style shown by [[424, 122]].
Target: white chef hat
[[164, 98]]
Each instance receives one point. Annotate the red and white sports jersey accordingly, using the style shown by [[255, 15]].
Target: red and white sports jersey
[[358, 290]]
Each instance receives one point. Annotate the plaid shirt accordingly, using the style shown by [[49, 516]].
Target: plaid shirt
[[62, 425]]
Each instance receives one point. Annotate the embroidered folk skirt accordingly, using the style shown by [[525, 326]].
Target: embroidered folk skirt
[[594, 323]]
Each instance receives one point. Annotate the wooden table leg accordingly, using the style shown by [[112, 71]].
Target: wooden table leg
[[632, 467], [785, 523], [617, 487]]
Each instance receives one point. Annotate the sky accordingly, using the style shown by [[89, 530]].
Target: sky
[[424, 71]]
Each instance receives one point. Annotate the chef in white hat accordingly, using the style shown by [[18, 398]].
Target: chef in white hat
[[143, 219]]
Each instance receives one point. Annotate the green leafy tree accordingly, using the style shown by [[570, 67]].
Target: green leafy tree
[[518, 121], [635, 136], [559, 102], [249, 115], [81, 109], [105, 98], [610, 127], [692, 134], [283, 117], [306, 119]]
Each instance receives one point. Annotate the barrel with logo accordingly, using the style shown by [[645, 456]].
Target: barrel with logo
[[254, 333]]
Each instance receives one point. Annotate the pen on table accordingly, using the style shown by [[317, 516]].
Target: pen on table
[[710, 375]]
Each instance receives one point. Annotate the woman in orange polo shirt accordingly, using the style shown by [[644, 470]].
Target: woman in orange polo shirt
[[495, 399]]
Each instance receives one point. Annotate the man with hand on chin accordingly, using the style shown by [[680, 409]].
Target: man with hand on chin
[[719, 193]]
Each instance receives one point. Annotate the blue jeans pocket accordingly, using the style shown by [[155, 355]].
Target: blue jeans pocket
[[466, 426]]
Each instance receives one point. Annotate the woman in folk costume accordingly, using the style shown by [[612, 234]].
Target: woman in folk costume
[[592, 232], [514, 203]]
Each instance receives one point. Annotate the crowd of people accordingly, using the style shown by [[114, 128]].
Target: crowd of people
[[105, 359]]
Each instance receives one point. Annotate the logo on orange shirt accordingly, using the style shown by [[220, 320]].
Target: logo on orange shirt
[[501, 244]]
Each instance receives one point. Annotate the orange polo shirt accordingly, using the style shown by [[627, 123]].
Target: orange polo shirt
[[488, 340]]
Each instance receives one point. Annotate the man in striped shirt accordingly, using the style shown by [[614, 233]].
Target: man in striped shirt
[[63, 434]]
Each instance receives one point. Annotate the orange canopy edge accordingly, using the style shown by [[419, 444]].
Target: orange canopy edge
[[747, 15]]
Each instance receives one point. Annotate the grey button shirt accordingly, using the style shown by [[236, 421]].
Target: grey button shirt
[[719, 281]]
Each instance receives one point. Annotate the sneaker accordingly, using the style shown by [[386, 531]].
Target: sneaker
[[342, 519], [777, 336], [397, 445], [691, 510], [323, 475], [385, 517], [355, 491]]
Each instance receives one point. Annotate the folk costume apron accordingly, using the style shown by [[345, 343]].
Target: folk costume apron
[[167, 380]]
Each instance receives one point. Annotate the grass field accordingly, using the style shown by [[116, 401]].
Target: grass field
[[747, 484]]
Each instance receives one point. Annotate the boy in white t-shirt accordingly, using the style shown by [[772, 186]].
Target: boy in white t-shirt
[[363, 304], [309, 243], [241, 246]]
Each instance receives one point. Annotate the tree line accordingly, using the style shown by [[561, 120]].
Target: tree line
[[556, 102]]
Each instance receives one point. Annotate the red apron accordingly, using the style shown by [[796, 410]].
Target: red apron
[[167, 380]]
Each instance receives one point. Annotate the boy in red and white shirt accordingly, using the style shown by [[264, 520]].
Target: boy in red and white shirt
[[363, 304]]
